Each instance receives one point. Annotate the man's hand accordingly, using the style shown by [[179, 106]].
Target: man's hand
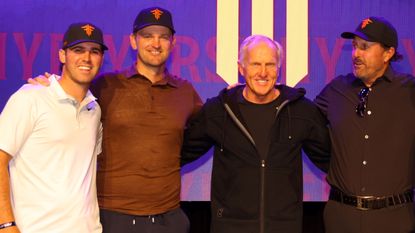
[[41, 79]]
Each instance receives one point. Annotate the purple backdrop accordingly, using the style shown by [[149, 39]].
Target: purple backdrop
[[31, 31]]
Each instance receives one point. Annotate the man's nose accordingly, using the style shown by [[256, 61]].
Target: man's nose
[[263, 72]]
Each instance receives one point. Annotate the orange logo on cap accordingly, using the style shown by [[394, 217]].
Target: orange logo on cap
[[365, 22], [88, 29], [157, 13]]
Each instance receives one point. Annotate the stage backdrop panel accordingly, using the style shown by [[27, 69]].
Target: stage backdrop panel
[[207, 31]]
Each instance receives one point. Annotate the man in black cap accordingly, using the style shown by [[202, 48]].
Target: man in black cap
[[371, 114], [49, 141], [145, 109]]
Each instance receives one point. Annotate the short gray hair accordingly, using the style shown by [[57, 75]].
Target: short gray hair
[[257, 39]]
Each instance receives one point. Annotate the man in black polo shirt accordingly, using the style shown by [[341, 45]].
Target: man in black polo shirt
[[371, 113]]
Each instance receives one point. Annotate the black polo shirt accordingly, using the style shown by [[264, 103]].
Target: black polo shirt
[[373, 154]]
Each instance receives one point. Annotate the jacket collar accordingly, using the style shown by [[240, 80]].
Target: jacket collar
[[235, 94]]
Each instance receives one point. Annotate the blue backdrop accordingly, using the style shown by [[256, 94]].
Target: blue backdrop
[[31, 33]]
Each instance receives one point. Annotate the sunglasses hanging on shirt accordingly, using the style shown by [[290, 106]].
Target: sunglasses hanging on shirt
[[363, 100]]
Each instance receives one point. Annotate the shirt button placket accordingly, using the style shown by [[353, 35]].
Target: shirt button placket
[[364, 162]]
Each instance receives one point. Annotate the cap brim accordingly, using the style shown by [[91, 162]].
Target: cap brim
[[351, 35], [136, 29], [81, 41]]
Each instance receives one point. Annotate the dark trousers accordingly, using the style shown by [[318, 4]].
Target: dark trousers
[[341, 218], [174, 221]]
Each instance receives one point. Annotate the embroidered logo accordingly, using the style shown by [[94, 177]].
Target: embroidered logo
[[157, 13], [365, 22], [88, 29]]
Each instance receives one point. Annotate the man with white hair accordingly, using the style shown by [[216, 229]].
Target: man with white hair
[[258, 131]]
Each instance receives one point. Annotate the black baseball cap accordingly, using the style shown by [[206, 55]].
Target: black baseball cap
[[83, 32], [153, 16], [375, 29]]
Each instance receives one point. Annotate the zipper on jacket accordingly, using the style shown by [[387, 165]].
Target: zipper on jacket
[[262, 199], [262, 166]]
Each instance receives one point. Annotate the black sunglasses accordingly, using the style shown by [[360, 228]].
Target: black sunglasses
[[363, 98]]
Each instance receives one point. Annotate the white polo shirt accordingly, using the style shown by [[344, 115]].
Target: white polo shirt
[[54, 142]]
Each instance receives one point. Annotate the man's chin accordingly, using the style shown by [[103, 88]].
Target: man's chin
[[358, 74], [155, 64]]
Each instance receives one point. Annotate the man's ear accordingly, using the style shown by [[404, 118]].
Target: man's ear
[[388, 54], [133, 41], [173, 42], [241, 69], [62, 56]]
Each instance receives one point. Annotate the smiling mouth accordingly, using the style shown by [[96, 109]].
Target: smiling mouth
[[261, 81], [155, 52], [86, 68]]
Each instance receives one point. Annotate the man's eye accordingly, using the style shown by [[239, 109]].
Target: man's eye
[[78, 50], [96, 51], [166, 37]]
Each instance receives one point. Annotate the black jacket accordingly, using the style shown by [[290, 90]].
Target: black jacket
[[250, 194]]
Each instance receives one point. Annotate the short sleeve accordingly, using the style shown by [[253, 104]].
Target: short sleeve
[[16, 122]]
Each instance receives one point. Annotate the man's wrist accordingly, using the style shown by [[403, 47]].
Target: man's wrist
[[7, 224]]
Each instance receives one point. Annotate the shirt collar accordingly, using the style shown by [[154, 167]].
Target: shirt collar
[[168, 79], [60, 94], [388, 76], [56, 88]]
